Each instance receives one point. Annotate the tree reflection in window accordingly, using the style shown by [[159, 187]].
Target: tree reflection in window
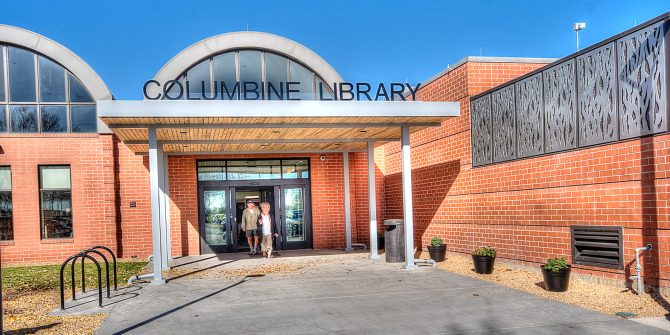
[[24, 119]]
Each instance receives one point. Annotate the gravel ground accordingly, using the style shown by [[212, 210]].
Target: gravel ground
[[598, 297], [28, 313], [276, 267]]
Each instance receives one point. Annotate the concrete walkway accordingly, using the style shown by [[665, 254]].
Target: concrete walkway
[[350, 295]]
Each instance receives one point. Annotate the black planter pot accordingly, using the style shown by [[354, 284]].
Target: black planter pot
[[437, 253], [556, 281], [483, 264]]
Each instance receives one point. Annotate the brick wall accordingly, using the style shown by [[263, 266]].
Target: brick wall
[[525, 208], [93, 197]]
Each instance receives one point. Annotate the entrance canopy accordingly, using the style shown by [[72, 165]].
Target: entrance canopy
[[253, 126], [160, 128]]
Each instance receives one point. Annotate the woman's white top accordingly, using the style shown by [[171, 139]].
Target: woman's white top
[[267, 230]]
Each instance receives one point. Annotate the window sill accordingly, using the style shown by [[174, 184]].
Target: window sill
[[57, 240], [6, 243]]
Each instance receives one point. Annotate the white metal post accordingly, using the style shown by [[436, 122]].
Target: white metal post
[[166, 183], [408, 215], [347, 202], [155, 207], [162, 199], [372, 200]]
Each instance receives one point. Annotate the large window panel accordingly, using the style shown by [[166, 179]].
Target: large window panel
[[295, 169], [77, 91], [6, 210], [56, 202], [276, 74], [3, 119], [225, 71], [306, 79], [84, 119], [24, 119], [52, 81], [21, 75], [251, 71], [261, 169], [54, 119], [196, 76], [2, 74]]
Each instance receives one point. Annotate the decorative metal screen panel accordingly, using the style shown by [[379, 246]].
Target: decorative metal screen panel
[[613, 92], [529, 116], [504, 124], [560, 127], [481, 131], [642, 82], [596, 79]]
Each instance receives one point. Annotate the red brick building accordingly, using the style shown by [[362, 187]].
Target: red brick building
[[493, 175]]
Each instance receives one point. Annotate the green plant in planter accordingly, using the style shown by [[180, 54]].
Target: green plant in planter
[[436, 242], [556, 264], [485, 251]]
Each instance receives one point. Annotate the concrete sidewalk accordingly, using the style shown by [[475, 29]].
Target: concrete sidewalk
[[353, 296]]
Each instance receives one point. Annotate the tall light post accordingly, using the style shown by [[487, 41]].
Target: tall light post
[[577, 26]]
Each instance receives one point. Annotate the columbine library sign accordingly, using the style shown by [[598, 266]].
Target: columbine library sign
[[251, 90]]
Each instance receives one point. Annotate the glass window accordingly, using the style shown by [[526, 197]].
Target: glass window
[[84, 119], [295, 169], [6, 211], [2, 74], [243, 170], [21, 75], [54, 119], [211, 170], [52, 81], [276, 74], [77, 91], [195, 77], [225, 72], [305, 77], [24, 119], [3, 119], [56, 201], [325, 89], [251, 71]]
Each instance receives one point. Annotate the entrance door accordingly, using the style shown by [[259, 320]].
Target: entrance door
[[296, 224], [215, 220], [241, 196]]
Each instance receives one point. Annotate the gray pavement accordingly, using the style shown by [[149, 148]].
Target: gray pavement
[[353, 296]]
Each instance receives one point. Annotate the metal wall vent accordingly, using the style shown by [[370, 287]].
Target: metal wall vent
[[597, 246]]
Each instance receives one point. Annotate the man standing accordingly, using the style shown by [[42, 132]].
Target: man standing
[[249, 225]]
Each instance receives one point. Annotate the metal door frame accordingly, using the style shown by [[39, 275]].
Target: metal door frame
[[204, 246]]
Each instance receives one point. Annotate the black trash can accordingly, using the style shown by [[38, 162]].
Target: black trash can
[[394, 241]]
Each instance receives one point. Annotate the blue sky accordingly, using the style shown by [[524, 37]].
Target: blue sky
[[127, 42]]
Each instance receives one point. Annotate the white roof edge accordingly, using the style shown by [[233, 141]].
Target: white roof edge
[[246, 39], [487, 59], [265, 108]]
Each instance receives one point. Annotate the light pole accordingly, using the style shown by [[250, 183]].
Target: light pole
[[577, 26]]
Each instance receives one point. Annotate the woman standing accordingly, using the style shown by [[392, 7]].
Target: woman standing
[[267, 228]]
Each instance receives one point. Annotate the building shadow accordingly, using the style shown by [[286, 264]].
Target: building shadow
[[430, 186], [31, 330], [182, 306]]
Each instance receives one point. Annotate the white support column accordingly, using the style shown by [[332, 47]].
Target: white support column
[[168, 232], [372, 200], [154, 179], [162, 198], [347, 202], [408, 215]]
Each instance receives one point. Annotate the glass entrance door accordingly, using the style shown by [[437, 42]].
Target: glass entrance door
[[296, 232], [215, 220]]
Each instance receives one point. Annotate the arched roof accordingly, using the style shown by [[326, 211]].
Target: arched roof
[[246, 40], [62, 55]]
